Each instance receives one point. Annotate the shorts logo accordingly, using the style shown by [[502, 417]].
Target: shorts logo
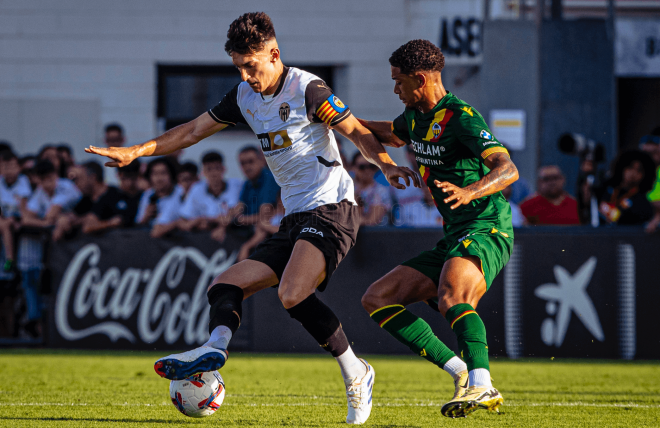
[[312, 230], [485, 135], [284, 112]]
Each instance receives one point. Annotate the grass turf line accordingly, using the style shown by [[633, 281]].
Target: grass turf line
[[86, 388]]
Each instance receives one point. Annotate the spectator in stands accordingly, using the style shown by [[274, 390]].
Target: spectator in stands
[[27, 164], [114, 135], [650, 144], [14, 193], [101, 208], [187, 176], [49, 152], [211, 202], [520, 189], [129, 177], [623, 198], [269, 223], [517, 217], [259, 187], [414, 207], [373, 198], [53, 197], [552, 205], [65, 154], [160, 205]]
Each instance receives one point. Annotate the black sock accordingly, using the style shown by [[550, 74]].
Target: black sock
[[321, 323], [226, 302]]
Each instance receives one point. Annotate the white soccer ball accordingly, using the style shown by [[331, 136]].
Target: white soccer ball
[[199, 395]]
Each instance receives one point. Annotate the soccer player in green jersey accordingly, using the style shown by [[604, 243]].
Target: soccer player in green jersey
[[465, 168]]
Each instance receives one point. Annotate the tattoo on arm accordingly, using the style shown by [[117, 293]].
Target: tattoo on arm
[[502, 173]]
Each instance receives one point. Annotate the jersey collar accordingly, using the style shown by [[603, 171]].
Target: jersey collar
[[441, 104], [285, 72]]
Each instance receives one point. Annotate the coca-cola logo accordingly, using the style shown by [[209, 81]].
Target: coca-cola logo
[[113, 296]]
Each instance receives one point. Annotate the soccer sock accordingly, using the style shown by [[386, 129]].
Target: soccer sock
[[455, 366], [226, 302], [324, 326], [471, 334], [350, 365], [415, 333], [220, 337]]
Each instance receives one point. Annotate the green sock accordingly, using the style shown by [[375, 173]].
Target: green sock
[[471, 334], [413, 332]]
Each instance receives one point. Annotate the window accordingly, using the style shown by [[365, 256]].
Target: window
[[186, 91]]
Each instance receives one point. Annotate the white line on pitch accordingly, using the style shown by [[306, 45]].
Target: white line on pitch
[[385, 404]]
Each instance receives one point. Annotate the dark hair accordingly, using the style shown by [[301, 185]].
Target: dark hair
[[114, 127], [625, 159], [5, 146], [94, 168], [43, 149], [212, 157], [188, 167], [44, 168], [7, 155], [249, 33], [64, 147], [249, 148], [171, 168], [132, 168], [418, 55], [26, 158]]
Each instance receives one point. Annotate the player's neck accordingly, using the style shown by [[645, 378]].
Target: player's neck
[[433, 93], [280, 75]]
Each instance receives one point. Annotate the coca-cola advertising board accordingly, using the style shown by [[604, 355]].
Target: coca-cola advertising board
[[126, 290]]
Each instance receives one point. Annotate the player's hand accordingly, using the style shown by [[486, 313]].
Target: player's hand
[[460, 195], [394, 172], [121, 156]]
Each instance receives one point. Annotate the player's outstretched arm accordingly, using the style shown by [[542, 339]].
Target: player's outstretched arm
[[502, 173], [382, 129], [176, 138], [374, 152]]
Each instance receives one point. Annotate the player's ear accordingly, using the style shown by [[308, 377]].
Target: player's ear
[[274, 54], [421, 79]]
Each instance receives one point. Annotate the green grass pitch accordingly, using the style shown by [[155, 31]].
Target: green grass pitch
[[98, 389]]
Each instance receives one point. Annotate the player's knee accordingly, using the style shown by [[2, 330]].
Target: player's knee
[[290, 297], [375, 297]]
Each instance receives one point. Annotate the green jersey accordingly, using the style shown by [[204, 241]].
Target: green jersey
[[450, 143]]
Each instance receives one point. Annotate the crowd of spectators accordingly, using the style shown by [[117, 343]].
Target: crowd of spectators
[[49, 197]]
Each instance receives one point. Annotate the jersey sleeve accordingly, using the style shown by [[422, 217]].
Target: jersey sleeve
[[473, 132], [324, 106], [227, 111], [400, 128]]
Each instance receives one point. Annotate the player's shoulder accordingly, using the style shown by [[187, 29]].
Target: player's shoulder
[[461, 109]]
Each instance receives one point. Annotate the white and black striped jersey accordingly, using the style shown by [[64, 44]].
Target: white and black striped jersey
[[293, 127]]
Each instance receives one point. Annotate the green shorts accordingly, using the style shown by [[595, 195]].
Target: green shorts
[[493, 249]]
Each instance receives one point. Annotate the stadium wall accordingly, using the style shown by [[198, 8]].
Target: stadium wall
[[582, 293]]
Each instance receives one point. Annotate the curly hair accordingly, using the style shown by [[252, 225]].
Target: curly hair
[[624, 160], [249, 33], [417, 55]]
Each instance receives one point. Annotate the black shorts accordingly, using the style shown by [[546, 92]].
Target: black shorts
[[331, 228]]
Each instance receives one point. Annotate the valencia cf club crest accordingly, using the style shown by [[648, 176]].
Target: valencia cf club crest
[[436, 128], [284, 112]]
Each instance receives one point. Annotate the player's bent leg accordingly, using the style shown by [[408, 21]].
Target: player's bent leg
[[225, 295], [462, 285], [385, 300], [304, 272]]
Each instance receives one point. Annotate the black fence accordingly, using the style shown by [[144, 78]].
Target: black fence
[[569, 292]]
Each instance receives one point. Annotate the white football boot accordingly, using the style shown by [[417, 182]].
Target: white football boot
[[358, 395], [186, 364]]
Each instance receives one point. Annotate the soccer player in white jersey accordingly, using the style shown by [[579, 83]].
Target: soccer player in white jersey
[[292, 112]]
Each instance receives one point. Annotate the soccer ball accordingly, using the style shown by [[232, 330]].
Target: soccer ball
[[199, 395]]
